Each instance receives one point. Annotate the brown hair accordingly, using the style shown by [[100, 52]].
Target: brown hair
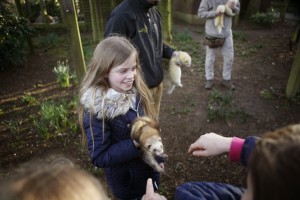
[[274, 165], [58, 180]]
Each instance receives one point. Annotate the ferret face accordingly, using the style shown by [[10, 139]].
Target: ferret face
[[185, 59], [155, 146], [187, 62]]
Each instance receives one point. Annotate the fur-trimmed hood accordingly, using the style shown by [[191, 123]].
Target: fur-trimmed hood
[[110, 104]]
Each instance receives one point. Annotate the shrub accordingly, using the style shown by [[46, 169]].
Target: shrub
[[268, 18], [14, 32]]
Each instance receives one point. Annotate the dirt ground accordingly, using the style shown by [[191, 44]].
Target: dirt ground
[[262, 64]]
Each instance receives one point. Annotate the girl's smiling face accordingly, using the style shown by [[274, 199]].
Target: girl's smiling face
[[121, 77]]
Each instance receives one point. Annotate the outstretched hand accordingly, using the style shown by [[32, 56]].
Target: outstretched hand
[[210, 144], [150, 194]]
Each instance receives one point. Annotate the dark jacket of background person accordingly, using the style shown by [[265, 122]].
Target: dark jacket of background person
[[140, 21]]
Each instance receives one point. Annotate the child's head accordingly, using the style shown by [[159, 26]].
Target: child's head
[[115, 64], [274, 168], [112, 53], [52, 181]]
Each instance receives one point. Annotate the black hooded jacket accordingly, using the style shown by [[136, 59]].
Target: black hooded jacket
[[140, 21]]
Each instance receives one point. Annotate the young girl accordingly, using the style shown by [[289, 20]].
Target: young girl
[[112, 94]]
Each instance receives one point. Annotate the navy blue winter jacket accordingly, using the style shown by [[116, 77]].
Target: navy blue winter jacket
[[126, 173]]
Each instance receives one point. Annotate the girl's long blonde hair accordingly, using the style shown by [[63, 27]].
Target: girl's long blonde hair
[[111, 52]]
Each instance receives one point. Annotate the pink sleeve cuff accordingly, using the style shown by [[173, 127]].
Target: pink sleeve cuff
[[236, 149]]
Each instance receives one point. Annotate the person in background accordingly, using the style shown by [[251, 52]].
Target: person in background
[[112, 94], [273, 166], [218, 40], [140, 21]]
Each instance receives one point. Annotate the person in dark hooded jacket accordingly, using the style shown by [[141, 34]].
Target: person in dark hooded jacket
[[140, 21]]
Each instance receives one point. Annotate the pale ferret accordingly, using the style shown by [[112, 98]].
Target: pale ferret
[[175, 63], [219, 20], [145, 131]]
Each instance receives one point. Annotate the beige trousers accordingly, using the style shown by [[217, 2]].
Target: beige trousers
[[157, 93]]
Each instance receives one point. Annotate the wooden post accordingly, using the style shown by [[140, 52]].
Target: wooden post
[[283, 9], [165, 8], [294, 78], [75, 39]]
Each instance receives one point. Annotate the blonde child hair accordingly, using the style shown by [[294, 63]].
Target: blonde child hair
[[109, 53], [58, 180]]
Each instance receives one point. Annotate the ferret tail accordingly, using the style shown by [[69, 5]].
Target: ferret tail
[[219, 23], [171, 89]]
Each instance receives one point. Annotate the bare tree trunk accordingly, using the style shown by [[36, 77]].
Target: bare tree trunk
[[294, 78], [283, 10], [94, 20], [264, 5], [86, 11], [19, 8], [62, 14], [75, 39], [43, 13], [252, 8], [165, 8]]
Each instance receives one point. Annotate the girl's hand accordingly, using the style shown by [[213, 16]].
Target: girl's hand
[[210, 144]]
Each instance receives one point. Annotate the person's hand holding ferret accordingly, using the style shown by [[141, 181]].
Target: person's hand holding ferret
[[210, 144]]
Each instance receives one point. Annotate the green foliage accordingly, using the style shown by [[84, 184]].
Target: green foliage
[[29, 99], [184, 35], [267, 19], [250, 51], [267, 94], [52, 7], [88, 52], [55, 118], [62, 72], [14, 33], [221, 107], [14, 128], [238, 35], [50, 40]]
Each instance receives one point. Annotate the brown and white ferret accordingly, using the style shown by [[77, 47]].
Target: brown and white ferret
[[146, 132]]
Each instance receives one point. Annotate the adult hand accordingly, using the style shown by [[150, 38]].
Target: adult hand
[[218, 13], [175, 54], [150, 194], [210, 144]]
